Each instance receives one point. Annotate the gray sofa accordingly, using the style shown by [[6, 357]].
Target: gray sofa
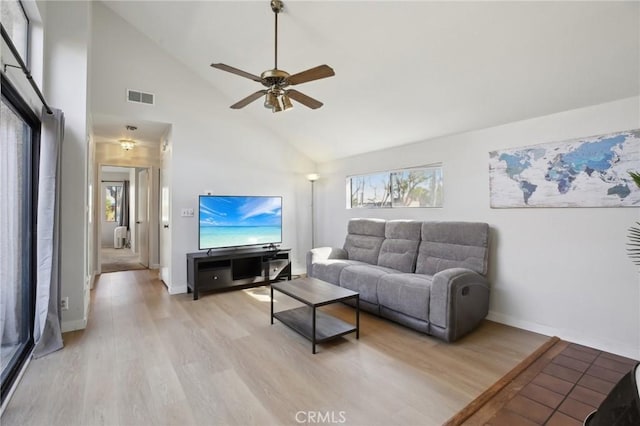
[[430, 276]]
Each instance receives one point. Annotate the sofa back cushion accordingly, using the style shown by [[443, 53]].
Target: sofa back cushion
[[447, 245], [364, 238], [400, 247]]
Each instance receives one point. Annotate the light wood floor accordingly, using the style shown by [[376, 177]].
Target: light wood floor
[[148, 358], [122, 259]]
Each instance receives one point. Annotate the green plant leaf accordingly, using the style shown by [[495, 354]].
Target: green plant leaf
[[636, 178]]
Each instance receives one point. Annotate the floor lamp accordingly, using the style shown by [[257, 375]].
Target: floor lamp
[[312, 178]]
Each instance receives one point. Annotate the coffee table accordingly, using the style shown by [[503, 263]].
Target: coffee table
[[307, 320]]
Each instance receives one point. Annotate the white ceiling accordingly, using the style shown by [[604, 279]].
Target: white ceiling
[[405, 71], [109, 129]]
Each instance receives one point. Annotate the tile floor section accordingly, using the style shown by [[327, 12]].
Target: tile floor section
[[570, 387]]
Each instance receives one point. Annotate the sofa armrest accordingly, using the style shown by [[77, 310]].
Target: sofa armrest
[[324, 253], [459, 301]]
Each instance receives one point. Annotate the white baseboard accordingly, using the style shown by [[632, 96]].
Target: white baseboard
[[74, 325], [518, 323], [177, 289], [603, 344], [154, 266]]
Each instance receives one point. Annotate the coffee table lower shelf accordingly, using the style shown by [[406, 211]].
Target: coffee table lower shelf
[[327, 327]]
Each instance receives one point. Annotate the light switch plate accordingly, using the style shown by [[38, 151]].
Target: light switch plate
[[187, 213]]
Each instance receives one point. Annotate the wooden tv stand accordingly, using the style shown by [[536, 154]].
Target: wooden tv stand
[[236, 269]]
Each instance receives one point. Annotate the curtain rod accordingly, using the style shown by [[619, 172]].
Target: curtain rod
[[24, 68]]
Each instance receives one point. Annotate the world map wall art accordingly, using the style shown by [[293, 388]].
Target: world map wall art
[[585, 172]]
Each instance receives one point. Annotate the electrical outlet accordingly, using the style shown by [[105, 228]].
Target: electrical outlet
[[64, 304], [187, 213]]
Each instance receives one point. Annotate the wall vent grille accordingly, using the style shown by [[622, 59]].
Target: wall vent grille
[[139, 97]]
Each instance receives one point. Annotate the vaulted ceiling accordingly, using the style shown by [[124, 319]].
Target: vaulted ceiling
[[405, 71]]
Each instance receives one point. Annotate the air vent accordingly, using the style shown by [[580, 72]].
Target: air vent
[[140, 97]]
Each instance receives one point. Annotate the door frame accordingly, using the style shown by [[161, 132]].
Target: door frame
[[98, 211], [147, 229]]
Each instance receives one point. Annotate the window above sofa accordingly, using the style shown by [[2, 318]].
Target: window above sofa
[[414, 187]]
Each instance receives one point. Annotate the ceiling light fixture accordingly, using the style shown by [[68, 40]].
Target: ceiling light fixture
[[286, 102], [128, 143], [270, 100], [278, 100]]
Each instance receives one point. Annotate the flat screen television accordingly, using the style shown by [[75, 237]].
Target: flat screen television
[[237, 221]]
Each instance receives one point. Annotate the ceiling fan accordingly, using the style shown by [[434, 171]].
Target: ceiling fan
[[277, 94]]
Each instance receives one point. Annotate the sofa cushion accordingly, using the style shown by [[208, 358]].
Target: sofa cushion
[[400, 247], [329, 269], [372, 227], [406, 293], [364, 280], [364, 239], [447, 245]]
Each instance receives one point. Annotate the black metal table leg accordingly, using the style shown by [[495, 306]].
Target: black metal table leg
[[313, 330], [271, 288], [358, 317]]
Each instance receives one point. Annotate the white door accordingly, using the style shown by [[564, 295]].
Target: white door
[[142, 216], [165, 234]]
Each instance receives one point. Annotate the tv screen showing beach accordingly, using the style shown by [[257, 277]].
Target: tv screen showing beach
[[231, 221]]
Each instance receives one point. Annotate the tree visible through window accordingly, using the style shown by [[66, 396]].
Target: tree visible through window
[[112, 199], [419, 187], [371, 191]]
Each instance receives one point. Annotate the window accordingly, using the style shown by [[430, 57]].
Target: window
[[417, 187], [112, 203], [371, 191], [16, 23], [19, 139]]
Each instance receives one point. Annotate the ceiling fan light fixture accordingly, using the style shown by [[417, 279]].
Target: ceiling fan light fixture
[[276, 80], [270, 100], [286, 103]]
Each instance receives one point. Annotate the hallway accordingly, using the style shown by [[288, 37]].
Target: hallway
[[123, 259]]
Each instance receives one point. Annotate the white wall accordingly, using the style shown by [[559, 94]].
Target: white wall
[[67, 35], [212, 147], [561, 271]]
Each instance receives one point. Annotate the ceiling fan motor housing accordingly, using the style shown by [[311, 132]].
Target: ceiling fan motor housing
[[274, 77]]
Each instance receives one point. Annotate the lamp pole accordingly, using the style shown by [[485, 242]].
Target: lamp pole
[[312, 178]]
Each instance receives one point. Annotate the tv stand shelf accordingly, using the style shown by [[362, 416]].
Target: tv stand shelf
[[235, 269]]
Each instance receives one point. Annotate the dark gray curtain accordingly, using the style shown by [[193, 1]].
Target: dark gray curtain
[[47, 331], [124, 205]]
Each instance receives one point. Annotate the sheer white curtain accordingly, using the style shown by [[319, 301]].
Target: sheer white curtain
[[11, 238], [47, 331]]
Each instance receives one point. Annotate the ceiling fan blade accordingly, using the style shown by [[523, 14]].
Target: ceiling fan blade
[[304, 99], [321, 71], [246, 101], [237, 71]]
